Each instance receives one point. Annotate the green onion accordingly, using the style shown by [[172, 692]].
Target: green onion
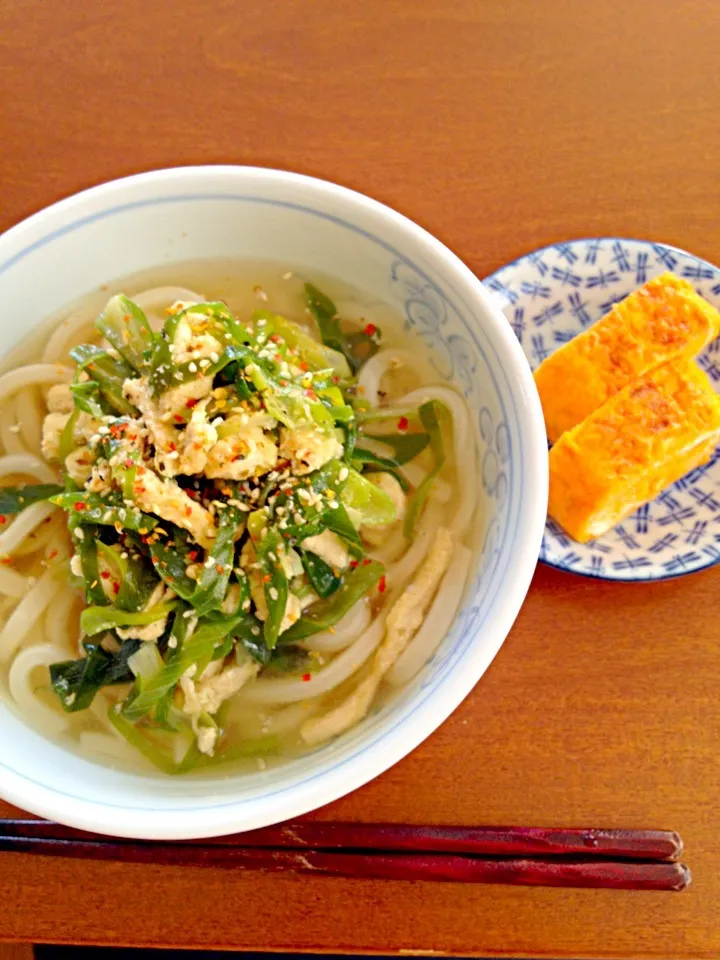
[[16, 499], [125, 326], [95, 620], [430, 415], [326, 613]]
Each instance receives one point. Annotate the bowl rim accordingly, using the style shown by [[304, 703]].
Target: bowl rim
[[102, 816]]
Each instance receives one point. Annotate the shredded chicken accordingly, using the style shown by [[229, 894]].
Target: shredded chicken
[[167, 500], [191, 344], [176, 452], [79, 465], [329, 547], [60, 399], [403, 621], [308, 448], [249, 452], [178, 400]]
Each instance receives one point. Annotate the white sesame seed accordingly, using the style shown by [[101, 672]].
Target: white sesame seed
[[273, 593]]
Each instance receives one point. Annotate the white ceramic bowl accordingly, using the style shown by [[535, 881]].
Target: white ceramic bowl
[[167, 216]]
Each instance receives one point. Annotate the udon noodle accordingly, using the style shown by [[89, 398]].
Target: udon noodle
[[345, 552]]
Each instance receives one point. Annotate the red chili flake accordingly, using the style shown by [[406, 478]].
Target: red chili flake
[[129, 463], [79, 505], [303, 365], [306, 677], [193, 554], [275, 338], [126, 318], [3, 518], [53, 554], [188, 512], [353, 564], [267, 578], [172, 446], [155, 561], [336, 379], [311, 393], [219, 568], [116, 587], [178, 419], [403, 423], [367, 561], [105, 575], [370, 330], [382, 584], [191, 403]]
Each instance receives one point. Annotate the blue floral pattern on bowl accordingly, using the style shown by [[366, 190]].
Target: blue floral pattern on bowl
[[551, 295]]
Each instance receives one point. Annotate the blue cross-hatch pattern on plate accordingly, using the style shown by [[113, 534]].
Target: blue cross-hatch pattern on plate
[[550, 296]]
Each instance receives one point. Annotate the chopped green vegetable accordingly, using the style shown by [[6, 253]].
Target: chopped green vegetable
[[92, 508], [125, 326], [326, 613], [356, 347], [172, 560], [146, 662], [108, 372], [275, 584], [86, 547], [289, 659], [321, 575], [158, 751], [196, 651], [76, 682], [99, 619], [318, 356], [372, 504], [88, 398], [430, 415], [212, 586], [66, 443], [16, 499], [406, 446], [371, 462]]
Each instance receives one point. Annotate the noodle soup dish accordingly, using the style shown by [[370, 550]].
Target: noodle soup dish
[[271, 491]]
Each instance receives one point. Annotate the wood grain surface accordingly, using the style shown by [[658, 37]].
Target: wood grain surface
[[499, 126]]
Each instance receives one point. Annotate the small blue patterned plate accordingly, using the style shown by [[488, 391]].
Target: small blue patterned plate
[[553, 294]]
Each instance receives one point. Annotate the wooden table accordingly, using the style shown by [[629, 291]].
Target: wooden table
[[500, 127]]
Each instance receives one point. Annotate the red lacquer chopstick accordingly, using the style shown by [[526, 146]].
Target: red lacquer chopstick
[[449, 868], [479, 841], [518, 856]]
